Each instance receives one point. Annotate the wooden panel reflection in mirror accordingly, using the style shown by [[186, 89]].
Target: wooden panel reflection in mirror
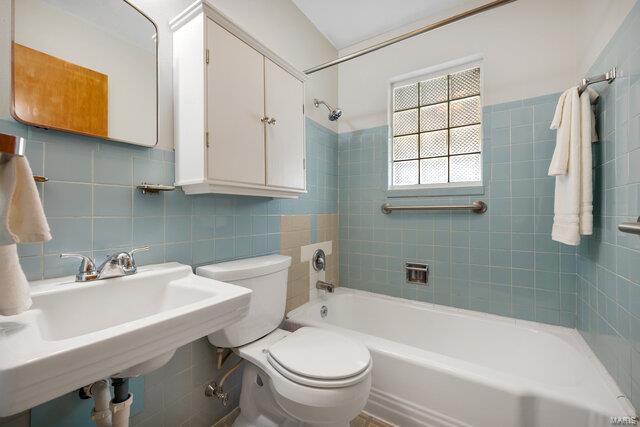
[[53, 93]]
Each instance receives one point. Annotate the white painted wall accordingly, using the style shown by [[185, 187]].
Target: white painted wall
[[349, 22], [277, 23], [131, 69], [528, 48], [599, 20]]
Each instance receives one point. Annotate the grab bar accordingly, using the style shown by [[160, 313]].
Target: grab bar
[[630, 227], [478, 207]]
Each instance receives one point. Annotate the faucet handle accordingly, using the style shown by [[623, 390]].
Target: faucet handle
[[87, 270], [319, 261], [129, 263], [140, 249]]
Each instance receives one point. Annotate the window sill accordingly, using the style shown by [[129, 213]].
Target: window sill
[[469, 190]]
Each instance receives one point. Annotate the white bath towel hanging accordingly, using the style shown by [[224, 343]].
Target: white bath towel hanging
[[572, 166], [22, 220]]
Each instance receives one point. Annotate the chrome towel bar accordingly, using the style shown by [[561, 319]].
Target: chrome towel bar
[[608, 77], [478, 207], [630, 227]]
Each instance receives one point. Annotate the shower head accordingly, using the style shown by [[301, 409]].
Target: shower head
[[334, 113]]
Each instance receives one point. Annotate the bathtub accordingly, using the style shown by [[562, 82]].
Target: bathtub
[[439, 366]]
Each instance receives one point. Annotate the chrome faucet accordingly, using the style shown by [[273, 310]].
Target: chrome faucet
[[325, 286], [116, 265]]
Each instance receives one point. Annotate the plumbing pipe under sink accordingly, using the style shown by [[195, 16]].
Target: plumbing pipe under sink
[[120, 412], [107, 413], [101, 395]]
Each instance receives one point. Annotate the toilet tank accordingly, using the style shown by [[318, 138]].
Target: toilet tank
[[266, 276]]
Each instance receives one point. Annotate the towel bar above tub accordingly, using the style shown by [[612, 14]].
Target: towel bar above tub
[[478, 207], [630, 227]]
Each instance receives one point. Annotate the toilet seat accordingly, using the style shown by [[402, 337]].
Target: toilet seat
[[320, 358], [314, 382], [304, 398]]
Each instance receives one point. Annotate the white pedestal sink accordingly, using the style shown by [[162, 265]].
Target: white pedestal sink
[[78, 333]]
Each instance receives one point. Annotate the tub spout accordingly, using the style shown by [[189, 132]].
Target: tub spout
[[325, 286]]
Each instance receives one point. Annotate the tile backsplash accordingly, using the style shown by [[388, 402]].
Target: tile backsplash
[[502, 262], [298, 231], [94, 208], [609, 261]]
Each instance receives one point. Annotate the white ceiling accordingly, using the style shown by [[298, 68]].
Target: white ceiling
[[346, 22]]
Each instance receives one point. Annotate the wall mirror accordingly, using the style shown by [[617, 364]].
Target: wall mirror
[[87, 67]]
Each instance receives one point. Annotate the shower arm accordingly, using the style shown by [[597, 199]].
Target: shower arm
[[317, 103], [421, 30]]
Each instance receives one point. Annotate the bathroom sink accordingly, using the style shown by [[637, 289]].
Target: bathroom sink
[[78, 333]]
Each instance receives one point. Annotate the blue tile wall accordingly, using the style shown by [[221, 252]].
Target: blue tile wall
[[608, 267], [94, 208], [503, 262]]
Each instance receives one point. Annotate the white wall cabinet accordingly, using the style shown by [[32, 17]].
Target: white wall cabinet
[[283, 157], [238, 108]]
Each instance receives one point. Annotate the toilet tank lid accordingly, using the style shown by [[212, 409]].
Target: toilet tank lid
[[247, 268]]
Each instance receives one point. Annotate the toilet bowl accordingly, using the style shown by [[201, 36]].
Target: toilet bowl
[[300, 389], [309, 377]]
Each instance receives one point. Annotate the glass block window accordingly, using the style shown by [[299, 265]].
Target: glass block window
[[436, 130]]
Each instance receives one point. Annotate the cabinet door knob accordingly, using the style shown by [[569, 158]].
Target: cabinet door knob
[[265, 120], [272, 121]]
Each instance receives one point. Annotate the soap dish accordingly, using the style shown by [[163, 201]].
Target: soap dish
[[154, 188]]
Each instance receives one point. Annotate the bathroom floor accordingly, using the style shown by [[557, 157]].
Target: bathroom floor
[[362, 420], [228, 420], [365, 420]]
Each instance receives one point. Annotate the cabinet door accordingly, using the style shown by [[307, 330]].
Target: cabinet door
[[235, 105], [284, 98]]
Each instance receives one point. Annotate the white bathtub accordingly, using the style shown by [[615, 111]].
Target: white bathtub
[[439, 366]]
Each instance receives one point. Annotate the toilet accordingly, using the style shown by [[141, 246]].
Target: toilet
[[310, 377]]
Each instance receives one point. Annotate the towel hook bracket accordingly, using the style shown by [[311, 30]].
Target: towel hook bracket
[[12, 145], [608, 77]]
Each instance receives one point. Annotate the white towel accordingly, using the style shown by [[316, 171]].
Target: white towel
[[22, 220], [589, 136], [572, 166]]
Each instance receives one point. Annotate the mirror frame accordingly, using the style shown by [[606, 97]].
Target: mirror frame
[[18, 119]]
